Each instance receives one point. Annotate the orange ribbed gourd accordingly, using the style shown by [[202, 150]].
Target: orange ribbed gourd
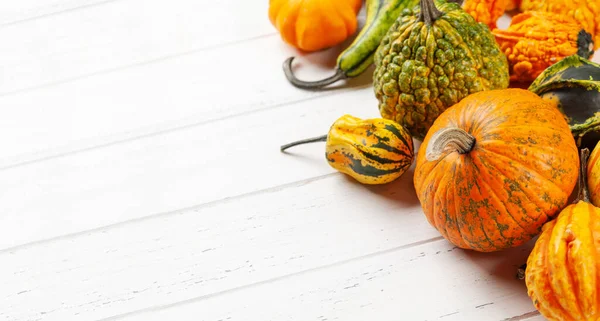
[[593, 176], [312, 25], [536, 40], [586, 12], [494, 168], [563, 269], [486, 11]]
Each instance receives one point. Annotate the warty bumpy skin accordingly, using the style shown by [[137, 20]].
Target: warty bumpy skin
[[420, 69]]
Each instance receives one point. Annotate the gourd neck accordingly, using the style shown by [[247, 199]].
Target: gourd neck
[[429, 12], [451, 139], [584, 194]]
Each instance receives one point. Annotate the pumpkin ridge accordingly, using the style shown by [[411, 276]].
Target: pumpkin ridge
[[342, 16], [453, 213], [529, 197], [550, 127], [482, 224], [471, 118], [433, 171], [500, 181], [582, 253], [497, 146], [475, 242], [573, 280], [559, 286], [437, 220], [493, 192], [459, 227], [543, 278], [532, 170]]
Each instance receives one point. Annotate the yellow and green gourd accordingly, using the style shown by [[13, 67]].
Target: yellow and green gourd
[[432, 57], [372, 151]]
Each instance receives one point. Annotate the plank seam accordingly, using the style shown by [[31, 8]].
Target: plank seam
[[169, 213], [275, 279], [144, 132], [522, 317], [52, 13], [137, 64]]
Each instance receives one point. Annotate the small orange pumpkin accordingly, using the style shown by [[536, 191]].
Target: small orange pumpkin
[[563, 269], [494, 168], [312, 25]]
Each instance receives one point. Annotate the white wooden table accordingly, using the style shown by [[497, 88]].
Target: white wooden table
[[141, 179]]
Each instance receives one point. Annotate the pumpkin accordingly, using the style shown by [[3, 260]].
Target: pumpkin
[[593, 176], [312, 25], [586, 12], [372, 151], [562, 274], [573, 85], [536, 40], [494, 168], [486, 11], [432, 57]]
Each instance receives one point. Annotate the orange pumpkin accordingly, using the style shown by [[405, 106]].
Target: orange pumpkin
[[563, 269], [494, 168], [312, 25]]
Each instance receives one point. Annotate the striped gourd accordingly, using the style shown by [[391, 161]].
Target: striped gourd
[[372, 151]]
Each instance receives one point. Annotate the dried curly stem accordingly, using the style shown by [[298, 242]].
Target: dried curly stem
[[289, 74], [322, 138], [583, 189], [449, 139]]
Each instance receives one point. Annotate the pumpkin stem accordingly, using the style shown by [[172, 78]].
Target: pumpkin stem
[[289, 74], [583, 189], [451, 139], [305, 141], [429, 12]]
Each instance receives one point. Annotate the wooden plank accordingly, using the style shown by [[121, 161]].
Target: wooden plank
[[124, 68], [427, 282], [117, 34], [209, 249], [169, 171], [12, 12], [133, 102]]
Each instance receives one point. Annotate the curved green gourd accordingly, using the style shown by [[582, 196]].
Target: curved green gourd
[[353, 61]]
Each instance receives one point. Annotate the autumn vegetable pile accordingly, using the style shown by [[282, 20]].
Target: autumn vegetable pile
[[506, 120]]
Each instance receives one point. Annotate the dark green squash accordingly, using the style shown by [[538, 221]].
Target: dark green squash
[[573, 84]]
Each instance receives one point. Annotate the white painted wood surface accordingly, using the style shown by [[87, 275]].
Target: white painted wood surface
[[141, 180]]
